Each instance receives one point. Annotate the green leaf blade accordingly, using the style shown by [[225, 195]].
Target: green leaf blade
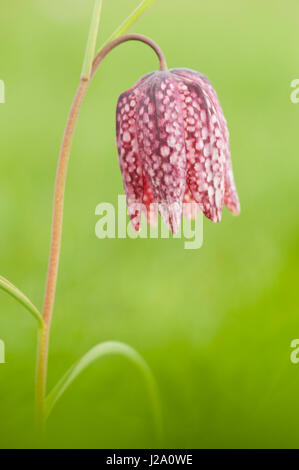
[[92, 39], [128, 22], [18, 295], [107, 349]]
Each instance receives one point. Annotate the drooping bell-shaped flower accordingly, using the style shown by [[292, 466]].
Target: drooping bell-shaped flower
[[173, 146]]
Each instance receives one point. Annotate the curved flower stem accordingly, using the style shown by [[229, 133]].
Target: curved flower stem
[[128, 37], [43, 339], [57, 221]]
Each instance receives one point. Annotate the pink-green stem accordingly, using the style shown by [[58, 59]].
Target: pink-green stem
[[57, 221]]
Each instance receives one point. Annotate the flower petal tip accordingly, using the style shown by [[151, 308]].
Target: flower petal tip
[[171, 215], [236, 211]]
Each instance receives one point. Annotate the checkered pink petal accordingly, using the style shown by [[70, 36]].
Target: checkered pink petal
[[205, 158], [128, 151], [161, 143], [231, 199], [173, 148]]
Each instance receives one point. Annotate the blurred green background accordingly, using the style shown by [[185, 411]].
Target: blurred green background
[[214, 324]]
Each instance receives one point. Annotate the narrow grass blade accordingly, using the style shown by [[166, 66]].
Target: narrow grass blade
[[14, 292], [132, 18], [97, 352], [92, 39]]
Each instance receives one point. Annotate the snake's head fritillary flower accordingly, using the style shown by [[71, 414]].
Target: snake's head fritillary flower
[[173, 146]]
